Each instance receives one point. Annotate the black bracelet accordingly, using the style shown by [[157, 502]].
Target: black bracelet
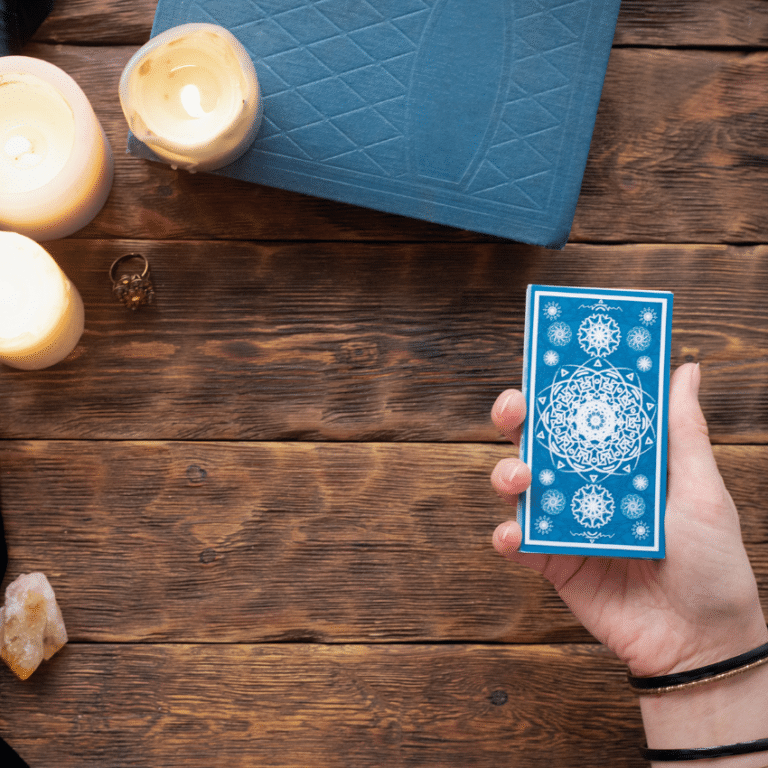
[[676, 755], [717, 671]]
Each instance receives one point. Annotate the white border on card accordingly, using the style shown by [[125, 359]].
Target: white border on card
[[531, 360]]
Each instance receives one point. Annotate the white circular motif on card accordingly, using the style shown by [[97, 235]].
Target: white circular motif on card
[[595, 420], [552, 310], [639, 482], [551, 357], [632, 506], [546, 477], [592, 506], [599, 335], [544, 525], [648, 316], [639, 339], [641, 530], [559, 334], [644, 364], [553, 502]]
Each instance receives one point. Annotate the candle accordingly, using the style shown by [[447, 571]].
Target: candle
[[41, 312], [56, 164], [191, 95]]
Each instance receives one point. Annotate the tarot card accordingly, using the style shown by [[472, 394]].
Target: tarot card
[[596, 382]]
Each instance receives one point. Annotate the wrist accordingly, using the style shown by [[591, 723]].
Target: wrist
[[712, 647], [717, 713]]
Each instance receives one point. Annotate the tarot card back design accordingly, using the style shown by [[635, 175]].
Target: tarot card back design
[[596, 381]]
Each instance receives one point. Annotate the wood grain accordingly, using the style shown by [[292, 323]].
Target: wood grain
[[363, 342], [264, 502], [323, 707], [683, 22], [682, 161], [234, 542]]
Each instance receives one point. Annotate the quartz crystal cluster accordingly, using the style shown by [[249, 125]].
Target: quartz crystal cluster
[[31, 625]]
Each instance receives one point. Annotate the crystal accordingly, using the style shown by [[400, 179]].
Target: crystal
[[31, 625]]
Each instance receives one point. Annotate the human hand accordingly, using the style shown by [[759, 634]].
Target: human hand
[[699, 605]]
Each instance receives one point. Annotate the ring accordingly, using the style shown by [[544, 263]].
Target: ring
[[132, 290]]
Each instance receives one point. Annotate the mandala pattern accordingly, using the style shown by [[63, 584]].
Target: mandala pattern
[[595, 420], [544, 525], [553, 502], [644, 364], [551, 358], [599, 335], [552, 310], [592, 506], [632, 506], [559, 334], [639, 339], [546, 477], [648, 316], [639, 482], [641, 530]]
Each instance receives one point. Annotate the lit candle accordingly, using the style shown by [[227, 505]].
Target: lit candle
[[191, 95], [41, 312], [56, 164]]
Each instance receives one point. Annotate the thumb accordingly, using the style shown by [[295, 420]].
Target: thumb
[[692, 464]]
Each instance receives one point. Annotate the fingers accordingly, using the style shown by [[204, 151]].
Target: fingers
[[507, 538], [506, 541], [508, 414], [509, 478], [691, 462]]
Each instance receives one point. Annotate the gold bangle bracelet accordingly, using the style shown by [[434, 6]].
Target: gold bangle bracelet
[[703, 681]]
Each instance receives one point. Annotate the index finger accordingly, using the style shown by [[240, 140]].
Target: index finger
[[508, 414]]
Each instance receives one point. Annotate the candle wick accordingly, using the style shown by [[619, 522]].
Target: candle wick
[[20, 150]]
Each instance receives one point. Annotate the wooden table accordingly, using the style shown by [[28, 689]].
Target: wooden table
[[264, 502]]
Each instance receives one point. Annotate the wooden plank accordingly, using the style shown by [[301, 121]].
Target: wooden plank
[[684, 158], [742, 23], [363, 342], [682, 161], [232, 543], [684, 22], [324, 707]]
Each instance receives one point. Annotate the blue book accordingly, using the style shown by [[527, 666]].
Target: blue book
[[596, 383], [476, 114]]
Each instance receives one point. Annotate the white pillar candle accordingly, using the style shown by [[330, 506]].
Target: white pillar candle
[[41, 312], [191, 95], [56, 164]]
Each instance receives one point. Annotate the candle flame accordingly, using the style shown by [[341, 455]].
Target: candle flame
[[190, 100]]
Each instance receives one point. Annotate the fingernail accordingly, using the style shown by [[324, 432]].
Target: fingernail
[[696, 380], [505, 532], [510, 475], [502, 404]]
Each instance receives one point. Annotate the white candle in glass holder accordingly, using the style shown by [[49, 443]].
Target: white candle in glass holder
[[41, 312], [56, 165], [191, 95]]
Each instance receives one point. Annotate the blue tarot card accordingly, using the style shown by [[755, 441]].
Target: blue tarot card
[[596, 381]]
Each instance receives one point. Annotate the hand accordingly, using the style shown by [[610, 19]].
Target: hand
[[699, 605]]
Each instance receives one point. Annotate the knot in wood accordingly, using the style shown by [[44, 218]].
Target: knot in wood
[[498, 698]]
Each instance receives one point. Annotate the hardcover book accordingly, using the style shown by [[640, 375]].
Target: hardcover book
[[596, 382], [475, 114]]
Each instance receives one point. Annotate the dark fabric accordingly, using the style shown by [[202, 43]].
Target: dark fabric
[[19, 20], [9, 758]]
